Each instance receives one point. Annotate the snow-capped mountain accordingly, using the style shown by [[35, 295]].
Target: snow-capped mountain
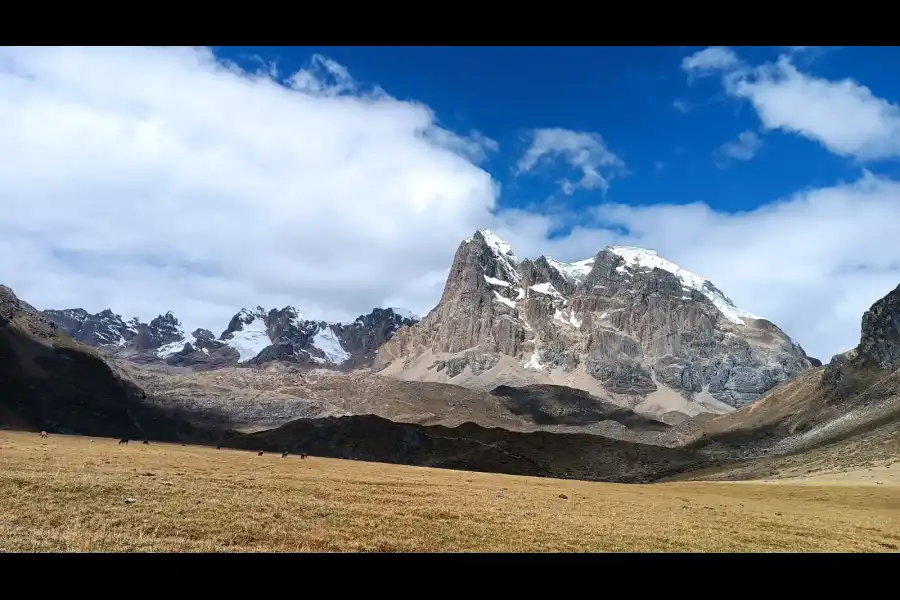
[[626, 324], [102, 329], [253, 336]]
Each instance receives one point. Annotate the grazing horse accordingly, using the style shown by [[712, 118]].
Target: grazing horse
[[123, 441], [146, 443], [218, 447], [259, 453], [43, 434], [302, 456], [284, 454]]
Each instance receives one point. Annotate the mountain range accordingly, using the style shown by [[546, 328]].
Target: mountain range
[[625, 325], [632, 317], [252, 337]]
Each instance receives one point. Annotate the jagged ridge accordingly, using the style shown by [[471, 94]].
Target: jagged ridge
[[626, 323]]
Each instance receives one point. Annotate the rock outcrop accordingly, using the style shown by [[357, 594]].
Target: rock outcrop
[[626, 324], [847, 411]]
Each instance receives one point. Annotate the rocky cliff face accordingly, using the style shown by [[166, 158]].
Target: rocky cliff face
[[625, 324], [252, 337], [878, 348]]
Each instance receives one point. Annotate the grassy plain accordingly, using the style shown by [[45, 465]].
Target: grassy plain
[[70, 493]]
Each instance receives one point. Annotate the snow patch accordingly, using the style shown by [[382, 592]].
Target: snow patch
[[171, 348], [534, 362], [495, 281], [251, 340], [405, 313], [548, 290], [574, 271], [649, 259], [497, 245], [326, 341], [504, 300], [571, 319]]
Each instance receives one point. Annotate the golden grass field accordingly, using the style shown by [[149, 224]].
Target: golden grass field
[[69, 494]]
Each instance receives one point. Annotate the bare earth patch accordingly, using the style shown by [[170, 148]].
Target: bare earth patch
[[70, 494]]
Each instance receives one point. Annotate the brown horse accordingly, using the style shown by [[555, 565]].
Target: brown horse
[[123, 441], [259, 453]]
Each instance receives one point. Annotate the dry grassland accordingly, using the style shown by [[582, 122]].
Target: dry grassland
[[69, 494]]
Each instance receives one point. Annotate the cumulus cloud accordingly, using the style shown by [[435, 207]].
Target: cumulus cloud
[[581, 151], [147, 179], [710, 61], [843, 116], [745, 147]]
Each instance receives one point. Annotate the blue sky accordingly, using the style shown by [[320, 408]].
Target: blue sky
[[667, 128], [204, 180]]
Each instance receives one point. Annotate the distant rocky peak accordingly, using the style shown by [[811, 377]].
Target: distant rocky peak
[[405, 314], [78, 314], [203, 334], [494, 256], [499, 246], [879, 343], [166, 324]]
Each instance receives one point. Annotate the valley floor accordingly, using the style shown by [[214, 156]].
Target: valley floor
[[69, 494]]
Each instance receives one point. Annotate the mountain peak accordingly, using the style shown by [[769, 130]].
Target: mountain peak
[[495, 243], [643, 258]]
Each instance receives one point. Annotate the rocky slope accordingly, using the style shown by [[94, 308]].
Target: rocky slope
[[847, 412], [252, 337], [625, 325], [256, 399]]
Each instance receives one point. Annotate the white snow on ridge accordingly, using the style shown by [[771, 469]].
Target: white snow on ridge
[[167, 350], [405, 313], [548, 290], [326, 341], [576, 271], [495, 281], [498, 245], [649, 259], [507, 260], [503, 300], [251, 340], [534, 362]]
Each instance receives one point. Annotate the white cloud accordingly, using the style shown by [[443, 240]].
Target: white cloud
[[709, 61], [584, 152], [744, 148], [147, 179], [844, 116]]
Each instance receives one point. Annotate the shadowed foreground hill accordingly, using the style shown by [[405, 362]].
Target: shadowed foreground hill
[[474, 448], [49, 381]]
